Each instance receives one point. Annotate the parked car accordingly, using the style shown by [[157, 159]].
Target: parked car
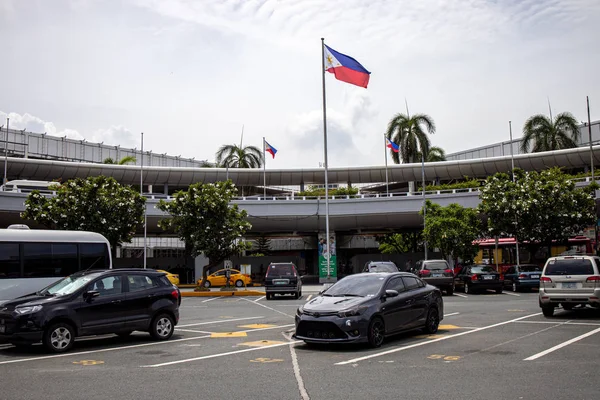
[[367, 307], [282, 278], [570, 281], [380, 266], [219, 278], [472, 278], [437, 273], [173, 278], [524, 276], [95, 302]]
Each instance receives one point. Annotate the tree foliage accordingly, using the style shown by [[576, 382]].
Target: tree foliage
[[234, 156], [410, 133], [543, 134], [205, 220], [123, 161], [263, 245], [404, 242], [97, 204], [538, 206], [452, 229]]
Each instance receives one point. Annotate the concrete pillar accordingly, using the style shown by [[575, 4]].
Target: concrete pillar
[[302, 186], [166, 188]]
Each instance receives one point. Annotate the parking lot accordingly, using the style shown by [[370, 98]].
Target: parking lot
[[488, 346]]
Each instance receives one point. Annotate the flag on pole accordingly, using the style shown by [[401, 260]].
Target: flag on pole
[[345, 68], [270, 149], [392, 145]]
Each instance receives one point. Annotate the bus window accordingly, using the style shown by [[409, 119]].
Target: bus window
[[64, 258], [94, 256], [9, 260], [49, 259]]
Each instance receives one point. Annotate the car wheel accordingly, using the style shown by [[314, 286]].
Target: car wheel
[[376, 332], [296, 295], [124, 334], [59, 337], [450, 290], [268, 296], [514, 287], [162, 327], [467, 289], [548, 311], [432, 322], [567, 307], [239, 283], [207, 284]]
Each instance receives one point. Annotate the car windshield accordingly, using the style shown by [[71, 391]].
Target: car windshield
[[68, 285], [357, 285], [569, 267], [530, 268], [435, 265], [383, 268], [481, 269]]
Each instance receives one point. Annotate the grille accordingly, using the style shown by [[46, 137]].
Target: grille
[[320, 330]]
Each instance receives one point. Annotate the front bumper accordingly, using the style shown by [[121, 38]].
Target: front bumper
[[331, 329], [21, 329]]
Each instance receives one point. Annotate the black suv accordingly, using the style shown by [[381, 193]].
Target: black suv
[[91, 303], [282, 278]]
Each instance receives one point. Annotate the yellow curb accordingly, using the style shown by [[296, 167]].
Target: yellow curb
[[223, 294]]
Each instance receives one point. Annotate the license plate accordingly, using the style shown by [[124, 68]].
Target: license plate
[[2, 328], [281, 282], [535, 277], [436, 275], [488, 277], [569, 285]]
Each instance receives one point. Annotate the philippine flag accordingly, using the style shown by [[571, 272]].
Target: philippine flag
[[345, 68], [392, 145], [270, 149]]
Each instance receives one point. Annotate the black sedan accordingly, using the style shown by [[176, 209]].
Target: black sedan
[[368, 307], [472, 278]]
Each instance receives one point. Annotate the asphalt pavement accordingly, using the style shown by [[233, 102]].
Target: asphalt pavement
[[489, 346]]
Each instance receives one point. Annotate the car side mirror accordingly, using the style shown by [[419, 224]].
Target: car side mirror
[[390, 293], [90, 294]]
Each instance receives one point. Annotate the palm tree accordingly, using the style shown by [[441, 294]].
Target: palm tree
[[435, 154], [234, 156], [409, 133], [122, 161], [546, 135]]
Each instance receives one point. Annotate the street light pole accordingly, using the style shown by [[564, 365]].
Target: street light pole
[[6, 151], [512, 161]]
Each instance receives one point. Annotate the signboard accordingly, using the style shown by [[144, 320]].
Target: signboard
[[245, 269], [327, 250], [228, 264]]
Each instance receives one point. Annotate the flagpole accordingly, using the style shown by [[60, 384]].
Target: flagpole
[[264, 169], [6, 152], [387, 188], [325, 152], [142, 194]]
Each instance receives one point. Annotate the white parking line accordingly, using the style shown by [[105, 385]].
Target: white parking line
[[309, 297], [566, 323], [218, 322], [211, 299], [220, 355], [451, 314], [410, 346], [270, 308], [511, 294], [560, 346], [260, 298], [460, 295], [192, 331]]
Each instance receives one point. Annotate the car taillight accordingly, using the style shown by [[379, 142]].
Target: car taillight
[[424, 272], [175, 294], [593, 279], [522, 276], [449, 271], [545, 279], [474, 277]]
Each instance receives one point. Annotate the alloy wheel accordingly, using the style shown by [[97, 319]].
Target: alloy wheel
[[60, 338], [164, 327]]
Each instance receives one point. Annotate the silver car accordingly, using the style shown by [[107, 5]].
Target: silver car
[[570, 281]]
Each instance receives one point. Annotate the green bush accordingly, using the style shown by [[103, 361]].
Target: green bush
[[470, 183], [313, 192]]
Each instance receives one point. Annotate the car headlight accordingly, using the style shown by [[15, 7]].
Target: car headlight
[[352, 312], [27, 309], [300, 310]]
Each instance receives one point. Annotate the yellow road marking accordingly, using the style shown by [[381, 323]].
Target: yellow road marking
[[260, 343], [266, 360], [443, 357], [448, 327], [256, 326], [228, 334], [88, 362]]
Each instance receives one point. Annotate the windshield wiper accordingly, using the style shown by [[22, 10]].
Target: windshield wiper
[[45, 294], [348, 295]]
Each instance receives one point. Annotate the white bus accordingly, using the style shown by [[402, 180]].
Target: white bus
[[44, 256], [27, 186]]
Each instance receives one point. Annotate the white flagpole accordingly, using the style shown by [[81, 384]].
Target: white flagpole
[[387, 188], [142, 193], [325, 152], [264, 168]]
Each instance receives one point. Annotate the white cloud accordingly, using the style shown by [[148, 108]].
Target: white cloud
[[116, 135]]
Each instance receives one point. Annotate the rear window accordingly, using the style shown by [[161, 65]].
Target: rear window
[[485, 268], [281, 270], [435, 265], [383, 268], [529, 268], [569, 267]]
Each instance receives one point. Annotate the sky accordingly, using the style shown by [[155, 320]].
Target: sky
[[192, 74]]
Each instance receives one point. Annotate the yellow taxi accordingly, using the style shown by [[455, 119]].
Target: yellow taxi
[[173, 278], [220, 279]]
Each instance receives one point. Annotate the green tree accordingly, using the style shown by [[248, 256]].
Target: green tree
[[234, 156], [538, 207], [404, 242], [410, 133], [435, 154], [263, 245], [97, 204], [207, 222], [123, 161], [543, 134], [452, 229]]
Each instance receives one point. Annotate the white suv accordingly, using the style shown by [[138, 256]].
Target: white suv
[[570, 281]]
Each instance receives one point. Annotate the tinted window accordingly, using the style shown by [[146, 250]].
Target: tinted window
[[529, 268], [435, 265], [410, 282], [94, 256], [420, 283], [569, 267], [383, 267], [108, 286], [482, 269], [357, 285], [511, 270], [10, 266], [49, 259], [395, 284], [140, 282], [280, 270]]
